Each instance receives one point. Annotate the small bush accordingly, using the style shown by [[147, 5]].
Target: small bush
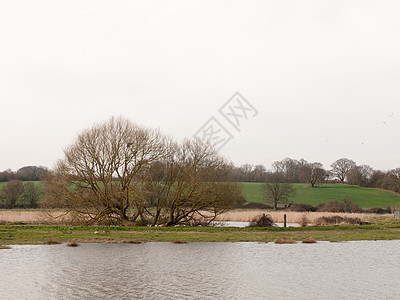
[[72, 244], [135, 241], [180, 241], [284, 240], [262, 221], [309, 240], [346, 205], [304, 221], [300, 207], [254, 205], [378, 210], [52, 242], [337, 220]]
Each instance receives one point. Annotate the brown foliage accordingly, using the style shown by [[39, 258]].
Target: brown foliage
[[337, 220]]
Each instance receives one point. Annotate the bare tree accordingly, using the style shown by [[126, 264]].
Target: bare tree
[[341, 168], [313, 173], [192, 181], [391, 180], [97, 176], [11, 192], [276, 189], [361, 175]]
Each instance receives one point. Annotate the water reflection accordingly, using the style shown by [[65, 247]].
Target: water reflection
[[365, 270]]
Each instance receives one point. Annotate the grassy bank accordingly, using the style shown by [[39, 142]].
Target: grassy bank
[[364, 197], [383, 229]]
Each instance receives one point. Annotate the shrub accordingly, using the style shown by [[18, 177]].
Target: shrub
[[180, 241], [72, 244], [254, 205], [337, 220], [304, 221], [299, 207], [262, 221], [284, 240], [135, 241], [309, 240], [378, 210], [345, 205], [52, 242]]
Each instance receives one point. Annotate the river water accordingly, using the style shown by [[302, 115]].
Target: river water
[[350, 270]]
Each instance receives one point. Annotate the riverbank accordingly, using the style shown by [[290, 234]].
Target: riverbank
[[380, 229]]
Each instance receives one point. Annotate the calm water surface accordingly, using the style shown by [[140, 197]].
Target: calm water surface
[[351, 270]]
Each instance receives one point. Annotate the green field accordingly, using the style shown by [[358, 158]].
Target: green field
[[364, 197]]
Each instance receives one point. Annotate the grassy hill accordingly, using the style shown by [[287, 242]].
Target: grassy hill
[[365, 197]]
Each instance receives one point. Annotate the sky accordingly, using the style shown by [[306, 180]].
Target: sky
[[318, 80]]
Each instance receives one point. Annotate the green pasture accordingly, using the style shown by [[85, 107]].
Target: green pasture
[[364, 197]]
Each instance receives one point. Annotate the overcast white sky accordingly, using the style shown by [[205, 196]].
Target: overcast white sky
[[324, 76]]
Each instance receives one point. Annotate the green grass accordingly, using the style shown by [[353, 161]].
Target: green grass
[[381, 229], [365, 197]]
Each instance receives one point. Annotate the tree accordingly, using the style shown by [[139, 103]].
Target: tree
[[31, 194], [289, 168], [31, 173], [258, 173], [119, 172], [11, 192], [313, 173], [276, 189], [360, 175], [97, 176], [193, 180], [341, 168], [391, 180]]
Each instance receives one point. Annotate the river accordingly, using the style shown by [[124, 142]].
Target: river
[[348, 270]]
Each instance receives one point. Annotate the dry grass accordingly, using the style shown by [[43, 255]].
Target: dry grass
[[292, 217], [59, 217], [284, 240], [42, 217]]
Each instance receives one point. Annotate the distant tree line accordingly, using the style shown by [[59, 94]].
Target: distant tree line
[[28, 173], [18, 194], [343, 170]]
